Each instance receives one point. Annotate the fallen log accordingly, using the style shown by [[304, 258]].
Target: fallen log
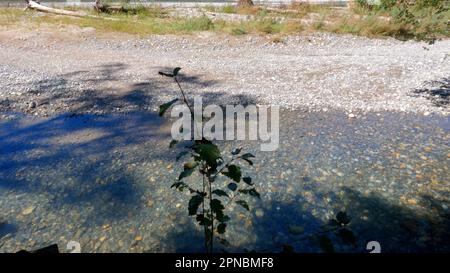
[[36, 6]]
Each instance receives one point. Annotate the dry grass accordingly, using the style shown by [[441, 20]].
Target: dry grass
[[150, 22], [156, 20]]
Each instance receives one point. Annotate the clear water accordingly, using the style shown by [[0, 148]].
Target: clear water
[[104, 181]]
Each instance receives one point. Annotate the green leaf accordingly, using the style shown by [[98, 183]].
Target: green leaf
[[217, 208], [347, 236], [202, 220], [185, 173], [216, 204], [236, 151], [248, 161], [251, 192], [247, 155], [342, 218], [208, 152], [254, 193], [234, 172], [220, 193], [173, 143], [325, 244], [165, 74], [179, 186], [163, 108], [243, 204], [232, 186], [221, 228], [175, 71], [334, 223], [194, 203], [223, 218], [247, 180]]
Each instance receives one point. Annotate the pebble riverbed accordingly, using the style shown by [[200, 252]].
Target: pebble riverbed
[[104, 181]]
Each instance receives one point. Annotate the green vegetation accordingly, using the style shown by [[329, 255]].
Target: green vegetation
[[423, 20], [209, 199]]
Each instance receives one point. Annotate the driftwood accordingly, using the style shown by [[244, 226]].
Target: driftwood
[[36, 6]]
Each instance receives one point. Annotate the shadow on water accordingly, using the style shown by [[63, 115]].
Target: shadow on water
[[87, 144], [7, 229], [401, 228], [247, 234], [397, 228], [69, 162]]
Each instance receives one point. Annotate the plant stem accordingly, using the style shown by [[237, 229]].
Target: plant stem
[[203, 213], [184, 97], [212, 216], [185, 101], [224, 166]]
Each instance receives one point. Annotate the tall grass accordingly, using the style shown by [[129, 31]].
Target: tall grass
[[421, 19]]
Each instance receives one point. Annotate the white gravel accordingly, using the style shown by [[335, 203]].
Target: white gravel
[[72, 69]]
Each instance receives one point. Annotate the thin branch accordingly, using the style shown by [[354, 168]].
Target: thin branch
[[203, 213], [184, 97]]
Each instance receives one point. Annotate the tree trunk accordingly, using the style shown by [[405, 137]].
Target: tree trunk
[[98, 5], [245, 3]]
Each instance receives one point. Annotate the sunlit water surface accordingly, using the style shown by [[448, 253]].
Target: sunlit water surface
[[104, 181]]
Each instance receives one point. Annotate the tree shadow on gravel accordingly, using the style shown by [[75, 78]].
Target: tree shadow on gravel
[[193, 80], [106, 88], [438, 93]]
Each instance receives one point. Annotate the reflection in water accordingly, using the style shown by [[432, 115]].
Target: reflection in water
[[104, 181]]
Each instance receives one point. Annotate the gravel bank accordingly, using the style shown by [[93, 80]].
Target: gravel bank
[[50, 71]]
